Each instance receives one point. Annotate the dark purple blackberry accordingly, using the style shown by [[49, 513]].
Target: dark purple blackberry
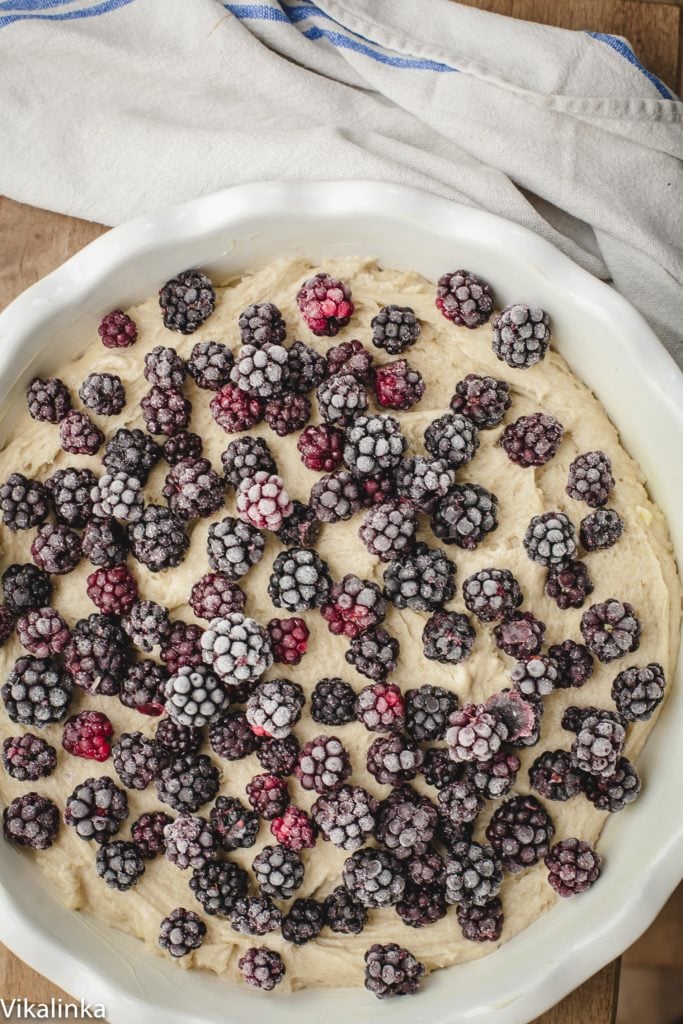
[[336, 497], [120, 864], [373, 653], [611, 629], [374, 445], [350, 357], [427, 869], [191, 843], [234, 825], [158, 539], [104, 393], [96, 809], [118, 495], [601, 529], [268, 794], [262, 323], [568, 584], [473, 875], [423, 580], [304, 921], [395, 328], [637, 692], [28, 758], [136, 759], [332, 702], [287, 413], [590, 479], [481, 924], [491, 594], [262, 968], [532, 440], [210, 364], [439, 768], [23, 502], [574, 661], [535, 676], [520, 832], [574, 717], [175, 739], [519, 634], [598, 745], [521, 335], [494, 778], [306, 368], [182, 646], [616, 791], [484, 400], [294, 829], [48, 399], [391, 970], [550, 539], [165, 368], [31, 820], [554, 776], [165, 410], [343, 914], [464, 298], [353, 606], [237, 648], [182, 931], [52, 630], [97, 655], [133, 452], [193, 489], [572, 866], [459, 802], [448, 638], [423, 481], [279, 757], [255, 915], [381, 707], [260, 370], [278, 871], [346, 816], [114, 591], [70, 490], [117, 330], [521, 716], [375, 878], [37, 692], [340, 399], [323, 764], [234, 546], [475, 733], [300, 528], [427, 711], [244, 457], [388, 530], [406, 823], [79, 435], [148, 833], [452, 437], [393, 760], [147, 624], [300, 580], [194, 695], [105, 542], [421, 905], [398, 385], [187, 782], [465, 516], [25, 587], [187, 301], [183, 445], [231, 736]]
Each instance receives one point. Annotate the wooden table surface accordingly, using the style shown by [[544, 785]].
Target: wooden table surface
[[33, 242]]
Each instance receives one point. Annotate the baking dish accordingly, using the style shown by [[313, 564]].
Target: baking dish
[[607, 344]]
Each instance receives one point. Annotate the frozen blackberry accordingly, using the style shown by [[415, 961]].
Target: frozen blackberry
[[568, 584], [519, 634], [194, 696], [176, 739], [393, 760], [244, 457], [190, 842], [193, 489], [350, 357], [459, 802], [306, 368], [574, 717], [165, 410], [104, 393], [381, 707], [148, 833], [31, 820], [288, 640], [24, 502], [323, 764], [346, 816], [105, 542], [56, 549], [465, 516], [132, 452], [182, 646], [237, 648], [450, 832], [448, 638], [554, 776], [391, 970], [439, 768], [572, 866], [262, 968], [304, 921], [374, 444], [423, 481], [535, 676], [268, 795], [158, 539], [611, 629], [427, 712], [97, 655], [262, 324], [406, 823], [481, 924], [320, 447], [590, 479], [274, 708], [532, 440], [473, 875], [96, 809], [521, 335], [325, 304], [255, 915], [263, 502], [491, 594], [374, 490], [336, 497], [423, 580], [375, 878], [301, 527], [373, 653], [147, 624], [398, 386], [484, 400], [475, 733], [79, 435], [28, 758], [601, 529], [69, 490], [181, 932], [118, 495], [114, 591], [215, 596], [341, 398], [187, 301], [343, 914], [187, 782], [279, 872], [493, 778], [521, 716], [260, 371], [388, 530], [210, 364], [48, 400], [183, 445], [117, 330], [332, 702], [165, 368], [550, 539], [279, 757], [231, 736], [235, 410], [427, 869], [88, 735], [136, 760], [234, 825], [353, 606], [421, 905], [464, 298], [452, 437], [142, 687], [637, 692], [233, 547], [294, 829], [37, 692], [574, 661], [520, 832], [395, 328], [120, 864], [614, 792], [598, 745]]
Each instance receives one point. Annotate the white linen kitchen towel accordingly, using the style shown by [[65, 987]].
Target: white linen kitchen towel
[[111, 108]]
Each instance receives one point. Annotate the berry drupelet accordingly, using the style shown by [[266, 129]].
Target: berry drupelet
[[532, 440], [395, 328], [465, 516], [181, 932], [120, 864], [325, 304], [275, 707], [484, 400], [48, 400], [96, 809], [88, 734], [31, 820], [423, 481], [572, 866], [611, 629], [521, 335], [520, 832], [117, 330], [187, 301], [37, 692], [28, 758]]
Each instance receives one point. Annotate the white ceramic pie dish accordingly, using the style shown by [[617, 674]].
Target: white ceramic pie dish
[[608, 344]]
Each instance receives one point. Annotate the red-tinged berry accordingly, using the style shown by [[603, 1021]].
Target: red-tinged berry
[[263, 502], [590, 479], [519, 634], [96, 809], [275, 707], [114, 590], [234, 410], [611, 629], [215, 595], [325, 304], [464, 299], [484, 400], [532, 440], [448, 637], [28, 758], [31, 820], [79, 435], [288, 640], [398, 386], [182, 646], [395, 328], [56, 549], [117, 330], [88, 735], [321, 447], [187, 301], [48, 400], [294, 829], [234, 825], [285, 414], [572, 866], [354, 606], [381, 707], [142, 687], [520, 832], [521, 335]]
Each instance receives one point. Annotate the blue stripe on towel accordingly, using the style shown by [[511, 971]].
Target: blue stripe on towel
[[33, 7], [627, 53]]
